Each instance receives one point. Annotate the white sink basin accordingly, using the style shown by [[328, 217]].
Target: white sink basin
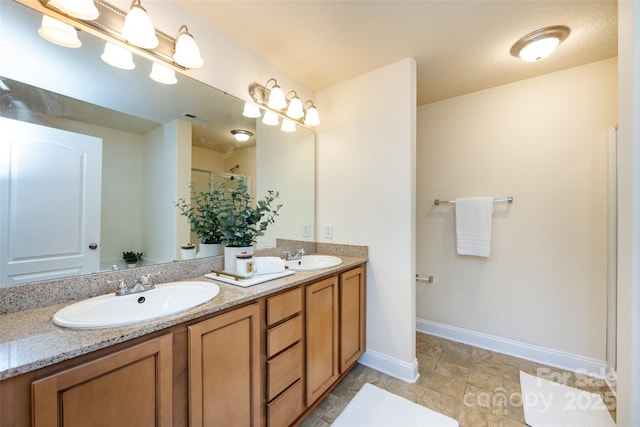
[[109, 310], [313, 262]]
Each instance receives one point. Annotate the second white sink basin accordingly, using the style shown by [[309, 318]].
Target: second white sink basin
[[109, 310], [313, 262]]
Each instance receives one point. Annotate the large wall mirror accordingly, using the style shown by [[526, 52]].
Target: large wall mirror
[[151, 141]]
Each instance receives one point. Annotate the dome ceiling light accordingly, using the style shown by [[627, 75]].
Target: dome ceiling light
[[241, 135], [540, 43]]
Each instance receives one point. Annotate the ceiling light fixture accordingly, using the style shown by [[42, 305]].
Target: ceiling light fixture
[[59, 33], [81, 9], [295, 109], [138, 28], [186, 51], [540, 43], [241, 135]]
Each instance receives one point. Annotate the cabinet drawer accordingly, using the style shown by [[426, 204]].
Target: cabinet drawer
[[284, 305], [284, 335], [283, 370], [286, 408]]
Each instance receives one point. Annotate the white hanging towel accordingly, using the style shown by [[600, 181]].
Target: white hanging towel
[[473, 225]]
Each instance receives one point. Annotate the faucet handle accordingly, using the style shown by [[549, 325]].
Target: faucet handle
[[122, 286], [287, 255]]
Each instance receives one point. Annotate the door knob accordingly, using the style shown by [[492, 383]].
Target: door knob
[[93, 246]]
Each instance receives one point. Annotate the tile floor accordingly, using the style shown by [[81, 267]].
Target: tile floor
[[477, 387]]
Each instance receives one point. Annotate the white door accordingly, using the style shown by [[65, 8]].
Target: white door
[[50, 183]]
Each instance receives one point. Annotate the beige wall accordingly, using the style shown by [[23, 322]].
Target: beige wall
[[544, 142], [628, 410], [365, 183]]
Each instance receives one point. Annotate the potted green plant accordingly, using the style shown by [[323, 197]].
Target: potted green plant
[[241, 220], [131, 258], [202, 218]]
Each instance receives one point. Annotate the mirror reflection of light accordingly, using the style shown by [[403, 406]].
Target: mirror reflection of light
[[251, 110], [59, 33], [118, 57], [270, 118], [288, 126], [163, 75]]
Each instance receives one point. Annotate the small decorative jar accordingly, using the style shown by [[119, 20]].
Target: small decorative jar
[[188, 251], [245, 265]]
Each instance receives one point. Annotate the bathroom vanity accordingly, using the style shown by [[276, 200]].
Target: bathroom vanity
[[259, 356]]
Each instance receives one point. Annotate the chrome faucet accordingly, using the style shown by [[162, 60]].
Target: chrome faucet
[[297, 255], [142, 283]]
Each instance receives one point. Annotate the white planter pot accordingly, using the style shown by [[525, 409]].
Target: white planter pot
[[230, 257], [209, 249]]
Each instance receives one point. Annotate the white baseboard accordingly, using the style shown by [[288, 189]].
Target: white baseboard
[[404, 371], [543, 355]]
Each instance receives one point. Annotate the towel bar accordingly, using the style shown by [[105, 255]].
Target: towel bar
[[453, 202]]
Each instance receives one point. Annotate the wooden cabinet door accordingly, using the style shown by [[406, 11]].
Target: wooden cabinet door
[[224, 370], [321, 336], [132, 387], [352, 317]]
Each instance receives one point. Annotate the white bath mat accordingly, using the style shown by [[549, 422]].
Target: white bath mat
[[373, 407], [549, 404]]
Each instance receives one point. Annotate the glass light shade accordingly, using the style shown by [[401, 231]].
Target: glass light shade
[[288, 126], [58, 32], [117, 56], [138, 28], [270, 118], [312, 118], [81, 9], [276, 98], [162, 74], [295, 110], [241, 135], [539, 49], [251, 110], [186, 52]]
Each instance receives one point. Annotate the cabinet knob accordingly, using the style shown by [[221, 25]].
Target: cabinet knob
[[93, 246]]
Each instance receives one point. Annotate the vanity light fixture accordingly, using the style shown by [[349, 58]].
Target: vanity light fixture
[[117, 56], [241, 135], [58, 32], [270, 118], [162, 74], [186, 51], [293, 108], [540, 43], [311, 116], [288, 126], [251, 111], [81, 9], [277, 100], [131, 31], [138, 28]]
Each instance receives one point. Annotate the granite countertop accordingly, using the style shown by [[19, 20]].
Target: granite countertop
[[29, 340]]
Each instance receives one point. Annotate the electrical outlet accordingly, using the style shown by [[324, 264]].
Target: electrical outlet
[[328, 231], [305, 230]]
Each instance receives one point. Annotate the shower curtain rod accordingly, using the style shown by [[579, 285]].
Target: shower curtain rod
[[453, 202]]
